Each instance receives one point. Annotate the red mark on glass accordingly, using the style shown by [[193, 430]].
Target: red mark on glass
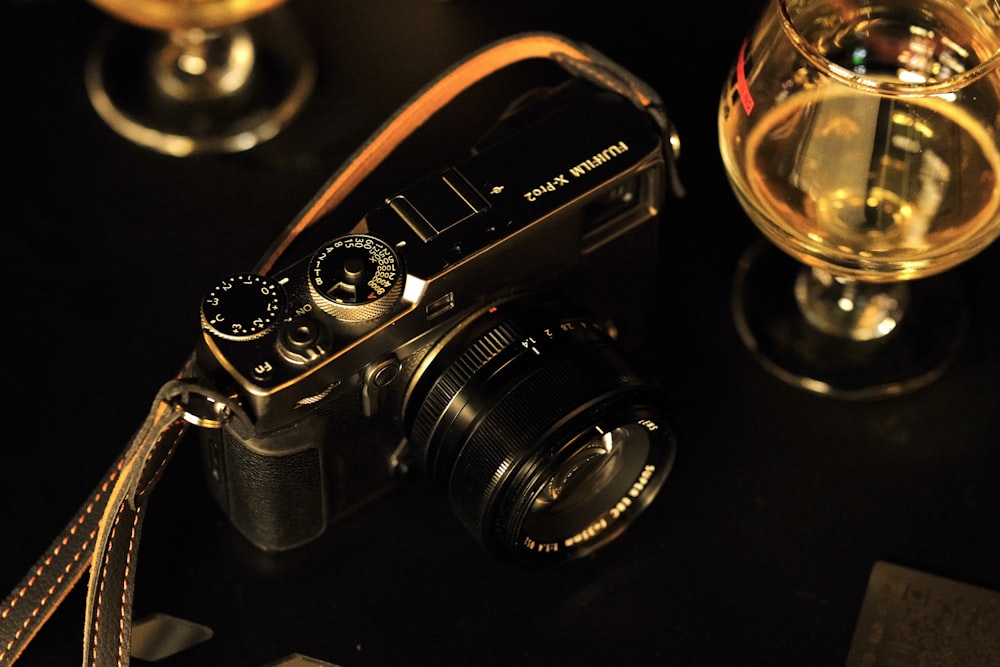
[[741, 80]]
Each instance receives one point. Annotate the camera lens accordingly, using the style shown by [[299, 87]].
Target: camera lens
[[546, 441]]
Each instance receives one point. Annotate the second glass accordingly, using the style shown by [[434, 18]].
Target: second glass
[[861, 139]]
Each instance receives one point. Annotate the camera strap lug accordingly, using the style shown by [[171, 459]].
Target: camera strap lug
[[609, 74], [205, 407]]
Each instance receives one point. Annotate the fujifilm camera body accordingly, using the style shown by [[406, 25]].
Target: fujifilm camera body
[[472, 329]]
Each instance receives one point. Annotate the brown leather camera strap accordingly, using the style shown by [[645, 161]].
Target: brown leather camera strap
[[104, 534]]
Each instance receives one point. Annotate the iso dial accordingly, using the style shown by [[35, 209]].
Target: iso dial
[[355, 278], [243, 307]]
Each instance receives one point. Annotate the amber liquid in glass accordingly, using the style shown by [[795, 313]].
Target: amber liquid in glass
[[861, 180], [179, 14]]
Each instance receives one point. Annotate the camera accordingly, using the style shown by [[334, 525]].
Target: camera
[[474, 330]]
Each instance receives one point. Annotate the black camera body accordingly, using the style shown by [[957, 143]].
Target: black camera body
[[473, 328]]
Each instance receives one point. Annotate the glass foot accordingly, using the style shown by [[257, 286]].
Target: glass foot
[[913, 354], [195, 109]]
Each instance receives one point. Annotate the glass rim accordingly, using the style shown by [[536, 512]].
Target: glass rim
[[886, 87]]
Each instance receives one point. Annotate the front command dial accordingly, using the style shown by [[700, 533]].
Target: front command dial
[[355, 278], [243, 306]]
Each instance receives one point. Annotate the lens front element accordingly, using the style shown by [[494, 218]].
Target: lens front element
[[546, 441], [591, 489]]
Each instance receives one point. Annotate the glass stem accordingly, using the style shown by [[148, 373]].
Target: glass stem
[[849, 308], [199, 65]]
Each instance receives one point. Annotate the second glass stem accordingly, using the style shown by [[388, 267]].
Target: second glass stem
[[849, 308]]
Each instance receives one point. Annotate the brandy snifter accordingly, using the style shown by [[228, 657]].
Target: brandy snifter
[[861, 139]]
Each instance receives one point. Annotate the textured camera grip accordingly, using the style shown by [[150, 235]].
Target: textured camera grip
[[276, 502]]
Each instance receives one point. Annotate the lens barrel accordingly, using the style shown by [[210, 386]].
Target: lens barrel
[[546, 441]]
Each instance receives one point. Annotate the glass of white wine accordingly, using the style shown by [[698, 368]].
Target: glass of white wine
[[861, 137], [186, 77]]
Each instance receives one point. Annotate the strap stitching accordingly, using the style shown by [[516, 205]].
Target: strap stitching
[[165, 458], [100, 592], [80, 520], [133, 542], [123, 612]]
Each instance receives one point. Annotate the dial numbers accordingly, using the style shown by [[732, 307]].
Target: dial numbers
[[355, 278], [243, 306]]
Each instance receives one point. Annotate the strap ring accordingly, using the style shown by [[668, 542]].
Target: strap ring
[[205, 407]]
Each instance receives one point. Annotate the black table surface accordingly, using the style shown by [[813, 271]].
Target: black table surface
[[758, 549]]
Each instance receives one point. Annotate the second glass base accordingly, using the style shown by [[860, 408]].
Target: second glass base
[[124, 92], [911, 356]]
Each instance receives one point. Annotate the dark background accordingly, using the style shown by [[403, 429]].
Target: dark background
[[757, 550]]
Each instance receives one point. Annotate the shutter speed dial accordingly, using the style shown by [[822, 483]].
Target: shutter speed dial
[[243, 307], [355, 278]]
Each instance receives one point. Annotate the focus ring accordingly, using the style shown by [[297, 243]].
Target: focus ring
[[505, 434], [455, 378]]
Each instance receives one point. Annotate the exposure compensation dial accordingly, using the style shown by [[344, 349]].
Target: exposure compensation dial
[[355, 278], [243, 307]]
